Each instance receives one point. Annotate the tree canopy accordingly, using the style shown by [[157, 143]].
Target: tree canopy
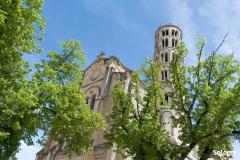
[[50, 100], [207, 95], [63, 111], [21, 26], [139, 131]]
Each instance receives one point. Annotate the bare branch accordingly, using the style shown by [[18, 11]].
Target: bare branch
[[200, 52], [221, 78], [198, 77], [220, 45], [138, 113], [212, 57], [203, 114]]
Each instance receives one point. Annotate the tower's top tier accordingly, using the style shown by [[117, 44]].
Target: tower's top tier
[[167, 26], [167, 36]]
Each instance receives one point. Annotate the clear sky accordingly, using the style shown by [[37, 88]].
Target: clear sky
[[126, 29]]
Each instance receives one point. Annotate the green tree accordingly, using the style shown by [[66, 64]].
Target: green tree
[[139, 132], [64, 114], [21, 26], [207, 94], [52, 100]]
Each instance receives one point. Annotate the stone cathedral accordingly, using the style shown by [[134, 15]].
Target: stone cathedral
[[98, 82]]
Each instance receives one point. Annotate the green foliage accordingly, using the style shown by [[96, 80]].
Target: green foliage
[[207, 94], [63, 108], [138, 132], [19, 21], [53, 100]]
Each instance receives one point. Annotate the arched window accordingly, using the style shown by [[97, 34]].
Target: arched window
[[172, 32], [176, 43], [93, 100], [166, 75], [166, 42], [166, 57], [172, 42], [176, 33], [166, 98], [163, 33], [162, 57], [163, 44], [166, 32]]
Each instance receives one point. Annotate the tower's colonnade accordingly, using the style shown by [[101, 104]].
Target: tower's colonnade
[[167, 38]]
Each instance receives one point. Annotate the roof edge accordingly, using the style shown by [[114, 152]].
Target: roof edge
[[168, 25]]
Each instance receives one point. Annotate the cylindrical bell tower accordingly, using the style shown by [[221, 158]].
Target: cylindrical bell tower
[[167, 38]]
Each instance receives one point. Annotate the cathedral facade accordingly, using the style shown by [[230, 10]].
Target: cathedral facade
[[98, 82]]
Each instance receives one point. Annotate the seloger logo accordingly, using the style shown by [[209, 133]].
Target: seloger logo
[[222, 153]]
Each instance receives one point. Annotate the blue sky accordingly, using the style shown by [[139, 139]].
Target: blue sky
[[126, 29]]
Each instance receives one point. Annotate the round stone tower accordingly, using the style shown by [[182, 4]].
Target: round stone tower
[[167, 37]]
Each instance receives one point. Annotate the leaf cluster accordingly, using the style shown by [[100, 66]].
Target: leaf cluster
[[63, 109], [21, 26], [207, 95], [136, 125]]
